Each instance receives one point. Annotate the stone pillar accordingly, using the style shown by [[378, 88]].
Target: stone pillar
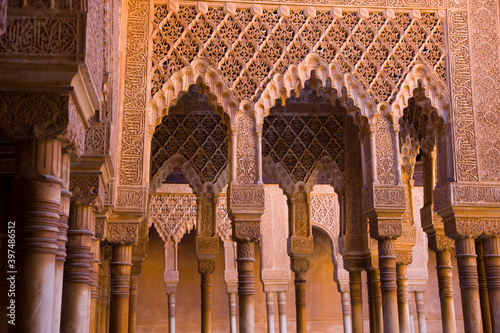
[[403, 301], [346, 311], [206, 267], [445, 280], [375, 301], [282, 311], [355, 286], [388, 286], [270, 311], [483, 288], [94, 292], [75, 316], [61, 242], [419, 301], [134, 279], [246, 287], [171, 312], [105, 288], [491, 246], [300, 266], [469, 284], [232, 312], [121, 265], [37, 198], [412, 318]]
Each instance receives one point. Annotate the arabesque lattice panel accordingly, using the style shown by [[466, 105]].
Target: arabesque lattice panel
[[250, 49]]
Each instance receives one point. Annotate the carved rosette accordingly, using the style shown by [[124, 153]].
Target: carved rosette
[[123, 233], [87, 189], [33, 115]]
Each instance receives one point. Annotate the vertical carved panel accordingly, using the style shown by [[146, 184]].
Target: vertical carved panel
[[3, 16], [385, 151], [134, 99], [461, 87], [246, 168], [485, 64]]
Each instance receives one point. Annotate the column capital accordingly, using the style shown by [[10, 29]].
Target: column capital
[[207, 246], [246, 201], [354, 264], [206, 265], [300, 246], [87, 188], [123, 233]]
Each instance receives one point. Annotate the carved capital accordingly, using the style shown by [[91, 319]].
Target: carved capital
[[246, 200], [384, 197], [206, 265], [385, 228], [97, 139], [73, 137], [136, 267], [440, 242], [354, 264], [87, 188], [123, 233], [207, 245], [246, 231], [101, 227], [403, 257], [300, 265], [33, 115], [300, 245]]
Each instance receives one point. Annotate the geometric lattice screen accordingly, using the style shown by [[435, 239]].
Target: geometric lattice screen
[[249, 50]]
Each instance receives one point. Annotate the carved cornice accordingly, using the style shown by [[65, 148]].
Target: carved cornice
[[43, 36], [34, 115], [460, 227], [123, 233]]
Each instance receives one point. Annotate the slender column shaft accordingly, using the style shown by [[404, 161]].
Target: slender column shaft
[[94, 294], [483, 288], [132, 315], [469, 284], [388, 286], [419, 301], [246, 288], [346, 311], [61, 256], [403, 306], [492, 266], [121, 264], [375, 302], [171, 313], [412, 318], [356, 301], [270, 311], [232, 313], [445, 281], [105, 281], [75, 316], [282, 311], [37, 196], [300, 301], [206, 303]]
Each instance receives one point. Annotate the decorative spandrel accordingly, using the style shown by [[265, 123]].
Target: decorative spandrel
[[192, 129]]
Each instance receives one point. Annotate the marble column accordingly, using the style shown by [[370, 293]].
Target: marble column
[[419, 301], [206, 267], [134, 288], [355, 286], [232, 312], [300, 266], [171, 312], [105, 288], [403, 301], [121, 265], [469, 284], [491, 255], [375, 301], [388, 286], [483, 288], [37, 198], [94, 292], [62, 238], [282, 311], [445, 281], [346, 311], [246, 287], [270, 311], [75, 315]]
